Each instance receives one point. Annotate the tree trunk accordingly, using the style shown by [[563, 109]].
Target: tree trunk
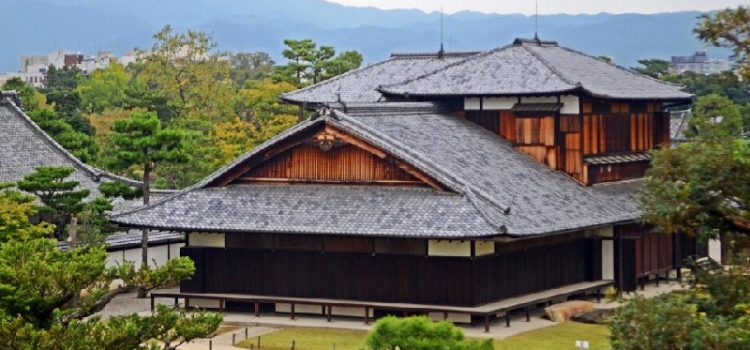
[[144, 237]]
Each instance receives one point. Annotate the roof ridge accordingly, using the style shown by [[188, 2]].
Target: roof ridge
[[383, 88], [447, 174], [285, 96], [621, 67], [433, 55], [482, 212], [95, 173], [550, 66]]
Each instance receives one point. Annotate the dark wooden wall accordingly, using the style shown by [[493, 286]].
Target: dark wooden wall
[[529, 270], [409, 276], [639, 252], [616, 172]]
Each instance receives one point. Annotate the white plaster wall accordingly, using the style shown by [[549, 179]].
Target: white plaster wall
[[448, 248], [608, 259], [484, 248], [571, 105], [453, 317], [714, 249], [211, 240], [472, 103], [498, 103]]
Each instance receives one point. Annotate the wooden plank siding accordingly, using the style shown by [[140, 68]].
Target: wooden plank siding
[[623, 127], [602, 128], [343, 269], [347, 163]]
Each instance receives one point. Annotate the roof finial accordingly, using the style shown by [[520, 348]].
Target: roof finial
[[536, 22], [442, 31]]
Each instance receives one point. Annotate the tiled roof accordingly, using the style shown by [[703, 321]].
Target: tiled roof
[[132, 239], [527, 67], [494, 189], [537, 107], [25, 147], [360, 85]]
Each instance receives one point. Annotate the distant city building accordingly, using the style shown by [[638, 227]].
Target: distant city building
[[698, 63], [33, 68], [36, 79]]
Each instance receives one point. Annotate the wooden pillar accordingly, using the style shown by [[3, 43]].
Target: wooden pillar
[[293, 311], [486, 323], [152, 303], [257, 309], [328, 316], [367, 315], [507, 319]]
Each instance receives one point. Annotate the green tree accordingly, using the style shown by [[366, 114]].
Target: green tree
[[31, 99], [104, 89], [299, 53], [65, 78], [420, 333], [248, 66], [15, 211], [192, 78], [725, 83], [67, 106], [140, 141], [728, 28], [48, 295], [309, 63], [716, 116], [61, 197], [654, 68], [82, 145]]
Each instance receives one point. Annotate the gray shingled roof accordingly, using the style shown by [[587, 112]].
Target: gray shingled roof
[[526, 67], [360, 85], [132, 239], [25, 147], [495, 189]]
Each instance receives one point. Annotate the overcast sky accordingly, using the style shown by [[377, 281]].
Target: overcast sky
[[550, 6]]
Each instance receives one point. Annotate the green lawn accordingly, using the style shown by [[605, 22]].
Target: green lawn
[[561, 336], [309, 339]]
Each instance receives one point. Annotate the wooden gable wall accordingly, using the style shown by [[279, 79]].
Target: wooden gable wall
[[344, 163], [329, 156]]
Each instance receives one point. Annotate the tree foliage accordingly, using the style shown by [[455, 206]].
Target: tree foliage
[[185, 70], [60, 195], [420, 333], [248, 66], [104, 89], [310, 64], [654, 68], [729, 28], [713, 314], [48, 295]]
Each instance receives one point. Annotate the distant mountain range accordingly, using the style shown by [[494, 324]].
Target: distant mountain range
[[41, 26]]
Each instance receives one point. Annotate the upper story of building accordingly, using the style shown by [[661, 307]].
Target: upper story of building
[[699, 63], [586, 117]]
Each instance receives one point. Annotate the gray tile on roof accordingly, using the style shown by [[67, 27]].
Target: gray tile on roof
[[320, 209], [617, 158], [24, 147], [529, 68], [360, 85], [496, 189]]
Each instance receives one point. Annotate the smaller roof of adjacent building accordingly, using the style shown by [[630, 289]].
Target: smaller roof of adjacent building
[[132, 239], [534, 67], [25, 147], [360, 85]]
